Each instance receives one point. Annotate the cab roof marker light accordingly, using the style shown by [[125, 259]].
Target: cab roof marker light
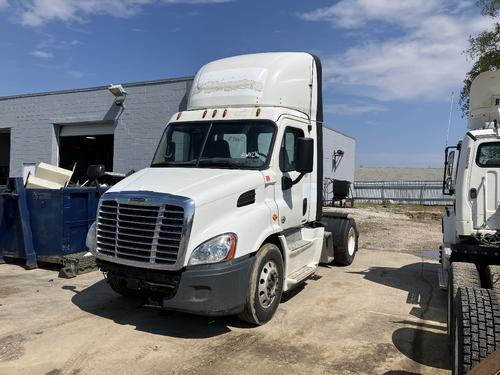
[[214, 113], [204, 113], [224, 113], [258, 112], [179, 115]]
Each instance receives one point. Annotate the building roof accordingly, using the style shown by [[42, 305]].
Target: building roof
[[97, 88]]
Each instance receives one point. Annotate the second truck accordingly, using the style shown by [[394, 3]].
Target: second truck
[[470, 254], [229, 214]]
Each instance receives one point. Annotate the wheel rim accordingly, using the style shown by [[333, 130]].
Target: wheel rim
[[268, 283], [351, 241]]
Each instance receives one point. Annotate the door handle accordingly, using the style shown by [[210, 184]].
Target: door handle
[[473, 193]]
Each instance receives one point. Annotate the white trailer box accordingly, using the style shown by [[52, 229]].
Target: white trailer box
[[338, 161], [338, 155]]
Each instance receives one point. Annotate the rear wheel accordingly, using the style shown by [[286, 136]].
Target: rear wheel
[[266, 286], [460, 275], [346, 243], [476, 332]]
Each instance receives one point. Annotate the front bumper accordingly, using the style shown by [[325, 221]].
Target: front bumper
[[215, 289]]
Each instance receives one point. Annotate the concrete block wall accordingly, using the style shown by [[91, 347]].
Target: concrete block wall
[[34, 121]]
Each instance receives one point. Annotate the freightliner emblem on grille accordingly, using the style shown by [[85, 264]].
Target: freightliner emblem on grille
[[137, 200]]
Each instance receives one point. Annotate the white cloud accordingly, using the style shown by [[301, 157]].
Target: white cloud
[[355, 13], [3, 4], [36, 13], [42, 54], [421, 56], [354, 108]]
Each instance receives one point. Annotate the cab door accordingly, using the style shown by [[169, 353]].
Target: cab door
[[293, 203], [484, 193]]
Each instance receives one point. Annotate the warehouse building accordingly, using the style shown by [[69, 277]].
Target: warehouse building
[[87, 126], [103, 125]]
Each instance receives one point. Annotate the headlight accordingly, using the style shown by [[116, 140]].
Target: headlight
[[214, 250], [91, 240]]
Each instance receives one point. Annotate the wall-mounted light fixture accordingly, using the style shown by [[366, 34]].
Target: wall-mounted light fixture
[[119, 92], [337, 158]]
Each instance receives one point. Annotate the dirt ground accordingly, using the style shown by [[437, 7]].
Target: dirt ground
[[401, 228], [382, 315]]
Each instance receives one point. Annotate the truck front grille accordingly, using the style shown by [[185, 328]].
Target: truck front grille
[[140, 233]]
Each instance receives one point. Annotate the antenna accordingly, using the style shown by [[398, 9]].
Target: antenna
[[449, 119]]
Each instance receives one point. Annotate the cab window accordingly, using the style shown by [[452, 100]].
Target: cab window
[[488, 155], [288, 149]]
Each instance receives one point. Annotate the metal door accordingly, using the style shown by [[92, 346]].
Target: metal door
[[293, 203], [484, 193]]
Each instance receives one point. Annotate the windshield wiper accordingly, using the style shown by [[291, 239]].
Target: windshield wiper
[[173, 164], [217, 163]]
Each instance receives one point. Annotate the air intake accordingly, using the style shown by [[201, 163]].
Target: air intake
[[246, 199]]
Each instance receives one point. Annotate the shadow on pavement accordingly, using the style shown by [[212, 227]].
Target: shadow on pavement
[[420, 281], [423, 342], [100, 300]]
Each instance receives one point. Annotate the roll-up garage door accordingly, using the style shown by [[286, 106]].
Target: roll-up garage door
[[86, 129]]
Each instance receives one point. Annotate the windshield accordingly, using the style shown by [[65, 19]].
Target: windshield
[[235, 144]]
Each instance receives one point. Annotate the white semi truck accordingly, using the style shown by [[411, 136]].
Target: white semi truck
[[470, 254], [229, 214]]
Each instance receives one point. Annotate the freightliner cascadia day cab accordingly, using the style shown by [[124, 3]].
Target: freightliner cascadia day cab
[[470, 254], [229, 214]]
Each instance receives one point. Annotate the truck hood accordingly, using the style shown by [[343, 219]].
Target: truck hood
[[203, 185]]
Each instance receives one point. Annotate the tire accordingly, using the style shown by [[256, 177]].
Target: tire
[[267, 270], [492, 276], [460, 275], [119, 285], [476, 329], [346, 244]]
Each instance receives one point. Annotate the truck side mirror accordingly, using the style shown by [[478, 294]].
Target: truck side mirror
[[305, 155], [449, 164]]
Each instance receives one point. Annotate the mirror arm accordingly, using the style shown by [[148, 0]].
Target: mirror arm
[[297, 180], [287, 183]]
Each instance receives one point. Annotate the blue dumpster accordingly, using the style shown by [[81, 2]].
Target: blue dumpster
[[45, 224]]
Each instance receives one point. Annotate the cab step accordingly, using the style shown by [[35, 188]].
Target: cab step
[[301, 275], [295, 242]]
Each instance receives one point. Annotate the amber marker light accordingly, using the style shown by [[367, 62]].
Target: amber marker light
[[232, 250]]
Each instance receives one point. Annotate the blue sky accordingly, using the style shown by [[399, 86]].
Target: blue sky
[[390, 65]]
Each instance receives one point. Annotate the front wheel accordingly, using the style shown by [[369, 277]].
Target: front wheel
[[266, 286]]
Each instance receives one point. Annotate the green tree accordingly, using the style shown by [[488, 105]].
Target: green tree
[[484, 50]]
